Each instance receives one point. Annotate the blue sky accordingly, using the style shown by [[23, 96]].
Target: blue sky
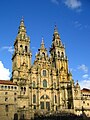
[[72, 18]]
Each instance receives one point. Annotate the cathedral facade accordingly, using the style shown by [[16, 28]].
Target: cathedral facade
[[45, 85]]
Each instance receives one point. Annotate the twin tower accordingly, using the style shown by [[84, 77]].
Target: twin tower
[[45, 85]]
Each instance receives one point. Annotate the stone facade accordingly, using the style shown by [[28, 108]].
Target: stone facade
[[86, 101], [45, 85], [8, 100]]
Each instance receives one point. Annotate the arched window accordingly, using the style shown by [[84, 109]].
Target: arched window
[[62, 54], [21, 47], [55, 99], [21, 88], [34, 98], [24, 88], [44, 72], [44, 97], [34, 84], [44, 83]]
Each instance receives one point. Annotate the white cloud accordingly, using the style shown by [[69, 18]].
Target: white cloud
[[83, 67], [73, 4], [4, 72], [80, 26], [55, 2], [85, 76], [9, 48], [85, 84]]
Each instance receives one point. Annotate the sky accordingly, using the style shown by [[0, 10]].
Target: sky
[[72, 18]]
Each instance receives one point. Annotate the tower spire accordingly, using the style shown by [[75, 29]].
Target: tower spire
[[56, 34], [22, 28], [56, 38]]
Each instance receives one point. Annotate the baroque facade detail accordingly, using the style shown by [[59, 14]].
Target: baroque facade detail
[[45, 85]]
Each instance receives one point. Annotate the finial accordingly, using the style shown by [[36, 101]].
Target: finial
[[22, 18], [55, 28], [22, 21], [42, 40]]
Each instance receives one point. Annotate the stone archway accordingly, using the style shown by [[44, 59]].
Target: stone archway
[[15, 116]]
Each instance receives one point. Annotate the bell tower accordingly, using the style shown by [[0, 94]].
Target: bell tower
[[21, 59], [57, 51]]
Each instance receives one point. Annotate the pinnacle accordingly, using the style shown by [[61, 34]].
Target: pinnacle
[[55, 29], [22, 22], [42, 44], [42, 41]]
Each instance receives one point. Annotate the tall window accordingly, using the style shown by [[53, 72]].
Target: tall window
[[42, 105], [25, 48], [44, 83], [55, 99], [58, 54], [44, 72], [34, 98], [6, 108], [48, 105], [56, 42]]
